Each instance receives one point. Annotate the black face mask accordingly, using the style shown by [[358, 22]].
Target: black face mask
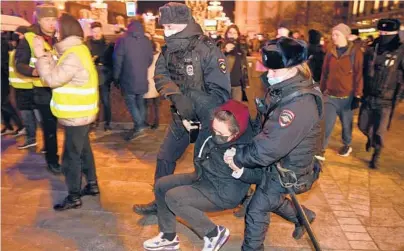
[[385, 39], [220, 140]]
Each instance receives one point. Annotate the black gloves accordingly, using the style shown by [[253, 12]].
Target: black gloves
[[355, 103], [184, 106]]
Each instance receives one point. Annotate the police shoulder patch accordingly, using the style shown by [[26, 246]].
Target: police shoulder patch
[[222, 65], [286, 118]]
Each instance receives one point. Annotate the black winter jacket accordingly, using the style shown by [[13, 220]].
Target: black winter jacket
[[133, 55], [316, 59], [215, 179], [291, 134]]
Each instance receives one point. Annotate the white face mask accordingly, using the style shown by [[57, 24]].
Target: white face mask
[[275, 80], [169, 33]]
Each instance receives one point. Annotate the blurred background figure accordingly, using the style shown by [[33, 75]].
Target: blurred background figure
[[101, 52], [315, 54], [152, 97], [236, 62]]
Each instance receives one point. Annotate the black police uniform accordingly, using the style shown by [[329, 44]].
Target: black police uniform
[[383, 88], [190, 72], [291, 135]]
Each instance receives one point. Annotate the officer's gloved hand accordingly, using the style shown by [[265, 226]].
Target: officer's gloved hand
[[355, 103], [184, 106]]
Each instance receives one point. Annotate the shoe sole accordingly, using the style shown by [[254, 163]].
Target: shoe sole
[[27, 146], [61, 210], [346, 154], [322, 158], [223, 241], [173, 248]]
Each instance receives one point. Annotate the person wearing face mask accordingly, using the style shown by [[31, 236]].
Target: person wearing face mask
[[236, 62], [191, 71], [290, 135], [214, 189], [45, 26], [342, 84], [384, 86]]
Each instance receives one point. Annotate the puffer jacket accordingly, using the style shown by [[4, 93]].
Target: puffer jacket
[[70, 71]]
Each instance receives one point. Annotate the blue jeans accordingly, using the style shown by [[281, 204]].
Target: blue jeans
[[340, 107], [137, 110]]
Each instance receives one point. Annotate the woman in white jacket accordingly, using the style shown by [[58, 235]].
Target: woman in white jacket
[[152, 97]]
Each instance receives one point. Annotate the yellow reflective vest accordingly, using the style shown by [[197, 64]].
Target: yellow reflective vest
[[16, 79], [29, 36], [72, 101]]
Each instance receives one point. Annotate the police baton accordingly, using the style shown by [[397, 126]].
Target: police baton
[[289, 187]]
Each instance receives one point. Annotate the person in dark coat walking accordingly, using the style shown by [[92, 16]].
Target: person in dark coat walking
[[290, 136], [383, 86], [212, 188], [101, 51], [133, 55], [316, 54], [191, 71]]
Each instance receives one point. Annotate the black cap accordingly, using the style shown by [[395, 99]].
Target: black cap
[[388, 24], [175, 13], [284, 52]]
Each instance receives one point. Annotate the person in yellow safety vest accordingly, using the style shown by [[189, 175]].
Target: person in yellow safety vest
[[8, 112], [74, 83], [46, 16]]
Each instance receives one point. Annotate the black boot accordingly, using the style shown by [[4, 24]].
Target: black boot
[[146, 209], [54, 168], [90, 189], [71, 201], [299, 228], [241, 211], [374, 163]]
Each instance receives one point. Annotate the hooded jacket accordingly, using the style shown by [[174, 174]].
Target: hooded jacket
[[133, 55], [215, 178]]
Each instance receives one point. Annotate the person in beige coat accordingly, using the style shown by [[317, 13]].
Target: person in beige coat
[[152, 97], [74, 82]]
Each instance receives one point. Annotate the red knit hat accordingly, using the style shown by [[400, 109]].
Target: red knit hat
[[240, 113]]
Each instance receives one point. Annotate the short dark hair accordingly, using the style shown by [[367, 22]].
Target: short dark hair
[[69, 26], [96, 25], [229, 119]]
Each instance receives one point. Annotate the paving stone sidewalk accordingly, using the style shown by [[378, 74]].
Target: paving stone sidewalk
[[357, 208]]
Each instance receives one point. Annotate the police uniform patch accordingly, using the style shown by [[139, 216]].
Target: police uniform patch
[[222, 65], [286, 117], [190, 70]]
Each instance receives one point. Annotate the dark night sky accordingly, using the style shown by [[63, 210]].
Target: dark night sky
[[145, 6]]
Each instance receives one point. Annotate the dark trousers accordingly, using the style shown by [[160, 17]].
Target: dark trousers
[[152, 107], [105, 93], [8, 113], [136, 107], [49, 127], [268, 198], [77, 158], [373, 123], [173, 148], [176, 197], [341, 107]]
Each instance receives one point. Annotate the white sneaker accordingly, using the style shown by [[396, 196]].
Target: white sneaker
[[158, 243], [215, 243]]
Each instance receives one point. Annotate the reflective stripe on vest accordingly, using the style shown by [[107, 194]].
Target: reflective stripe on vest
[[72, 101], [16, 79], [29, 36]]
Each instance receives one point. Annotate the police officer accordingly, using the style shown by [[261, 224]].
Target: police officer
[[25, 59], [291, 135], [191, 73], [383, 87]]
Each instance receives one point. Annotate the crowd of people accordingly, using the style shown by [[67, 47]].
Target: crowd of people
[[59, 76]]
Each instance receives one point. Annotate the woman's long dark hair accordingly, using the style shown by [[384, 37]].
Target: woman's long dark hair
[[233, 26], [69, 26]]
